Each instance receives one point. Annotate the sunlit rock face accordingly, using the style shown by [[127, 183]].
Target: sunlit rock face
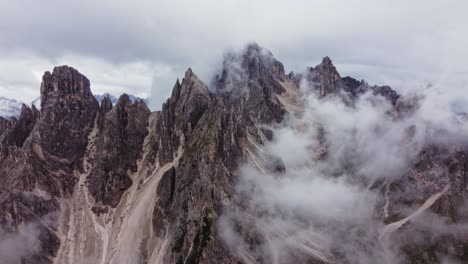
[[255, 166]]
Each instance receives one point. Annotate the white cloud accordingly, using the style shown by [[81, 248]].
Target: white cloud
[[395, 42], [16, 245], [337, 159]]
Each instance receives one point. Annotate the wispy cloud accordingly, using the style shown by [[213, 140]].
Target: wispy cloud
[[337, 158]]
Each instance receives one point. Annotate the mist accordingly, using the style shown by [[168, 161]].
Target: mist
[[14, 246], [339, 157]]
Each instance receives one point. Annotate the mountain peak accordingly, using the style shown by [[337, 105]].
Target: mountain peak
[[67, 105], [326, 65], [325, 78], [106, 103], [255, 50], [327, 61], [188, 73], [63, 82], [249, 71], [123, 99], [64, 79]]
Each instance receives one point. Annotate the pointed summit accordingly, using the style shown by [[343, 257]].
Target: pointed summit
[[325, 78], [327, 61], [188, 73], [255, 50], [326, 66], [189, 100], [106, 102], [22, 127], [67, 106], [253, 70], [106, 106], [65, 79], [65, 82]]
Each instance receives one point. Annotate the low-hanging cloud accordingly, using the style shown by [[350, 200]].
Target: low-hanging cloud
[[23, 243], [337, 157]]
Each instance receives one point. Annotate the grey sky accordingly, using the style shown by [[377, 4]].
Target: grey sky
[[141, 47]]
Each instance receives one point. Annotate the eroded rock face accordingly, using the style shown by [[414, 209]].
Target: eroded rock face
[[325, 79], [118, 147], [438, 169], [176, 169], [4, 123], [355, 89], [22, 127], [191, 194], [68, 109], [39, 154], [189, 100], [106, 106], [248, 83]]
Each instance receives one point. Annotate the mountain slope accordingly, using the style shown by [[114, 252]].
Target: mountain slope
[[228, 173]]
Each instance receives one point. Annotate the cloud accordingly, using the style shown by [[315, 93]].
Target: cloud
[[393, 43], [23, 243], [337, 158]]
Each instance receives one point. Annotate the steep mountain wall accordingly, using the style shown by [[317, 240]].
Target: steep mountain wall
[[84, 182]]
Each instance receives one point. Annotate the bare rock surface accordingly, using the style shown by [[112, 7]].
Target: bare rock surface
[[39, 153], [120, 184]]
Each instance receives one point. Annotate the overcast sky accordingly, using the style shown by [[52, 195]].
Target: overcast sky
[[141, 47]]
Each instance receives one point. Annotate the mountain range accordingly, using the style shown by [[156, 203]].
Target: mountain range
[[255, 166], [12, 108]]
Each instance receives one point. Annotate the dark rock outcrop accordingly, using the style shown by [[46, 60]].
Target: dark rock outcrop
[[106, 106], [4, 124], [119, 145], [325, 79], [39, 154], [248, 83], [22, 127], [68, 109], [387, 92]]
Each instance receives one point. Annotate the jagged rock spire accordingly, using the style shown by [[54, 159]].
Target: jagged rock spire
[[106, 106], [252, 76], [22, 127], [68, 109], [125, 123], [64, 81], [189, 100], [249, 71], [324, 78]]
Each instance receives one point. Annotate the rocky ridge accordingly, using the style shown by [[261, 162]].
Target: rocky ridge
[[108, 183]]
